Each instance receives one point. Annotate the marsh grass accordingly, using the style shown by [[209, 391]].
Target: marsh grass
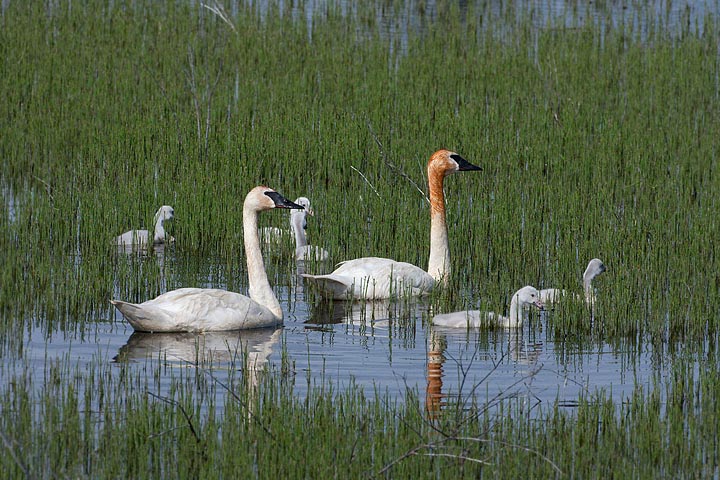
[[593, 143], [127, 425], [596, 140]]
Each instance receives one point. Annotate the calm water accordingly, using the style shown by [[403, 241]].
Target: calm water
[[381, 347]]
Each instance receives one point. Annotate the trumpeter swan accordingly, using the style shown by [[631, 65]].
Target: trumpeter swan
[[142, 237], [595, 267], [276, 235], [380, 278], [525, 297], [298, 222], [207, 309]]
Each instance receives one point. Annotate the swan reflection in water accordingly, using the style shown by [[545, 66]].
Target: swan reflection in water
[[250, 348], [381, 314], [523, 354]]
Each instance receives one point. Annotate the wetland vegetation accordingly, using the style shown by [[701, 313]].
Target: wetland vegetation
[[597, 139]]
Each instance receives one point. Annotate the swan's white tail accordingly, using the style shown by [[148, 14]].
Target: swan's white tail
[[140, 317], [333, 286]]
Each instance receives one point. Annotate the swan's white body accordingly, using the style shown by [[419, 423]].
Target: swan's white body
[[142, 237], [525, 297], [298, 224], [595, 267], [374, 278], [207, 309]]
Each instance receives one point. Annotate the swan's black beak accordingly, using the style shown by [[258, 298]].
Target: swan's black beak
[[282, 202], [464, 165]]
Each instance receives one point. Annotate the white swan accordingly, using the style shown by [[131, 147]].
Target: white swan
[[380, 278], [595, 267], [206, 309], [525, 297], [276, 236], [298, 222], [142, 237]]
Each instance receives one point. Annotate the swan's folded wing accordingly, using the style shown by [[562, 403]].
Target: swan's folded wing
[[551, 295], [464, 319], [143, 318], [197, 309], [133, 237], [373, 278]]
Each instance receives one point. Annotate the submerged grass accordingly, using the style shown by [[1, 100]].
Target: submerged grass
[[595, 140], [121, 427]]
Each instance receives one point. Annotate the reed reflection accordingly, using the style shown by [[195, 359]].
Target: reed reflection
[[375, 313]]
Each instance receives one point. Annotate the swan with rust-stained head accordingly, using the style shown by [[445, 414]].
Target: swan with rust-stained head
[[208, 309], [142, 237], [525, 297], [380, 278], [595, 267]]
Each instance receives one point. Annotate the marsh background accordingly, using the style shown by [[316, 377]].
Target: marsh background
[[596, 126]]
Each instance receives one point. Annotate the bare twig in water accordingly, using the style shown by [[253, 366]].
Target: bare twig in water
[[182, 410], [449, 435], [48, 188], [393, 167], [219, 10], [240, 401], [458, 457], [366, 180]]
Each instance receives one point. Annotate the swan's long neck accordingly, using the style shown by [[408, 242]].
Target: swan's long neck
[[515, 319], [439, 263], [296, 223], [260, 289], [159, 228], [588, 277]]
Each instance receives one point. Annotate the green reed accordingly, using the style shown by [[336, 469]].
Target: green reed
[[593, 142]]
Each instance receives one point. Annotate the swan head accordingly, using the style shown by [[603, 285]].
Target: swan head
[[594, 268], [445, 162], [528, 296], [301, 215], [265, 198], [166, 212], [305, 203]]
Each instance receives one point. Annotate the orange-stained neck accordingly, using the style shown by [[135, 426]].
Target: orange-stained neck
[[439, 264]]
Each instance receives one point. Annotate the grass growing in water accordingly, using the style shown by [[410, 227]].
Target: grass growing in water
[[120, 427], [593, 142]]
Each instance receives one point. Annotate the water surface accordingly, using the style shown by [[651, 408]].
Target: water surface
[[380, 347]]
